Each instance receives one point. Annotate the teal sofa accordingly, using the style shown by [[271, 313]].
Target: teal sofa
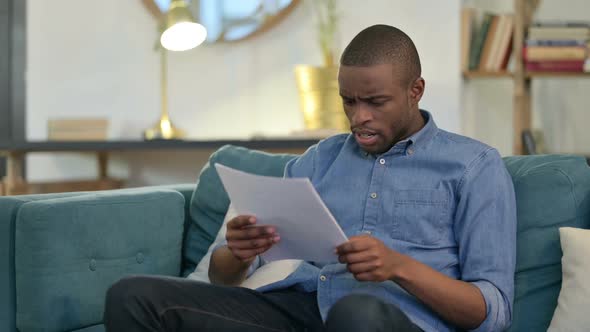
[[60, 252]]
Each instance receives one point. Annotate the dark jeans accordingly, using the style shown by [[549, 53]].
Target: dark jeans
[[148, 303]]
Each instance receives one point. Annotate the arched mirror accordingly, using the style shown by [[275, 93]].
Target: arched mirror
[[231, 20]]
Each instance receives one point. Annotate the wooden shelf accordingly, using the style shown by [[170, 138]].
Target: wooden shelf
[[14, 153], [270, 144], [531, 74], [486, 74], [522, 92]]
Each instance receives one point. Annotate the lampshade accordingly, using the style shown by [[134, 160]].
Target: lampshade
[[181, 30]]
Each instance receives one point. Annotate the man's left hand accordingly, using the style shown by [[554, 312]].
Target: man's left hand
[[368, 259]]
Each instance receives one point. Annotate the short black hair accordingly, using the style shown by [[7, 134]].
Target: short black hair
[[383, 44]]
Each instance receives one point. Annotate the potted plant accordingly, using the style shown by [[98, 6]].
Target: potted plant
[[318, 85]]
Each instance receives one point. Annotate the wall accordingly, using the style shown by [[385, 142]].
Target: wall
[[5, 73], [559, 104], [5, 76], [101, 63]]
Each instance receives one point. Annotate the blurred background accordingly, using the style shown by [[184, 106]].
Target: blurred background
[[101, 60]]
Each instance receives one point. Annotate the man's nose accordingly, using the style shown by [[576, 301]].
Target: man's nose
[[361, 114]]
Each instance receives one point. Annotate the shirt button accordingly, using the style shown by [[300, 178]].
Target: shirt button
[[373, 195], [367, 232], [410, 151], [323, 278], [382, 161]]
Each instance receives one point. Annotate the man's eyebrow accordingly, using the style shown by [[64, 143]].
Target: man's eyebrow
[[344, 95], [375, 97]]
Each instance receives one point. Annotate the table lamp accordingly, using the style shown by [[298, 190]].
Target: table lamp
[[181, 33]]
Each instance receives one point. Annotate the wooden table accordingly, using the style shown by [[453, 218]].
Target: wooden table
[[15, 183]]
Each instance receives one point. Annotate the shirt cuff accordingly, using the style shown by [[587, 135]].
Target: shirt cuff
[[497, 311]]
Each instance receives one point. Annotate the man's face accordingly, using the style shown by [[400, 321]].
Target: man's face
[[381, 105]]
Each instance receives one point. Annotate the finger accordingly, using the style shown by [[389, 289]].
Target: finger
[[247, 254], [250, 233], [253, 243], [241, 221], [377, 275], [358, 257], [365, 276], [362, 267], [354, 244]]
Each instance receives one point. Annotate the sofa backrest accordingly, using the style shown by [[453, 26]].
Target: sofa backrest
[[209, 202], [552, 191]]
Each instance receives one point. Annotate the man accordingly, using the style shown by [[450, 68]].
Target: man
[[430, 218]]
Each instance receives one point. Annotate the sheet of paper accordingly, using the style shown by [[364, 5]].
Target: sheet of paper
[[307, 229], [271, 272]]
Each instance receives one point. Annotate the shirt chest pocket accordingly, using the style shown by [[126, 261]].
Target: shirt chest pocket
[[420, 216]]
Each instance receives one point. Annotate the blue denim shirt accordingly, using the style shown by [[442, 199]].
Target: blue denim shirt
[[441, 198]]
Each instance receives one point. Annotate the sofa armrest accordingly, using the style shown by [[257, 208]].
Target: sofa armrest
[[9, 206], [187, 190], [69, 250]]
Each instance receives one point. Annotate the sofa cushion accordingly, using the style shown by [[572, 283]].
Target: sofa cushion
[[68, 251], [210, 201], [552, 191], [571, 313]]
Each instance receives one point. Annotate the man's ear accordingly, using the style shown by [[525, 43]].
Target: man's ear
[[416, 90]]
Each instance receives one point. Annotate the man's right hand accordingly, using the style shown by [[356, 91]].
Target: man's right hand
[[246, 240]]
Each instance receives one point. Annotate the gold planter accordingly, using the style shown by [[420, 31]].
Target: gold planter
[[319, 97]]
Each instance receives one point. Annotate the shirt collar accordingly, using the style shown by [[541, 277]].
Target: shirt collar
[[424, 135], [419, 139]]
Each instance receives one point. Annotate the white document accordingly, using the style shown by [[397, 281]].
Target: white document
[[271, 272], [307, 229]]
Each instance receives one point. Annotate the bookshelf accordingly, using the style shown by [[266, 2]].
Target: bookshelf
[[521, 94]]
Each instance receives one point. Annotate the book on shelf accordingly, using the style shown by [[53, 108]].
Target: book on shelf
[[558, 33], [559, 65], [561, 23], [541, 53], [467, 31], [555, 42], [478, 41], [503, 47], [487, 45]]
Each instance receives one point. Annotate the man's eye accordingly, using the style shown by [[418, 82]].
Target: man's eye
[[376, 103], [348, 101]]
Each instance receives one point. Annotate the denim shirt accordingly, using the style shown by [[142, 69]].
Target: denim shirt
[[441, 198]]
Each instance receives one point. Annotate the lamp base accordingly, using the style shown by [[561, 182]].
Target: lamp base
[[163, 129]]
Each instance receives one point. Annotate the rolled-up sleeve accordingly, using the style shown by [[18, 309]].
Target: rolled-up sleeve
[[497, 307], [485, 229]]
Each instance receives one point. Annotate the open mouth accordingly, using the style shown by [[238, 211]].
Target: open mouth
[[365, 138]]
